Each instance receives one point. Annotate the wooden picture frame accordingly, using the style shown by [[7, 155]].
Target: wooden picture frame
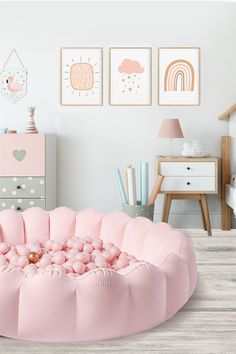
[[179, 76], [130, 76], [81, 76]]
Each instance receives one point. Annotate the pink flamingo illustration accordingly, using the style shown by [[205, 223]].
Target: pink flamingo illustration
[[13, 86]]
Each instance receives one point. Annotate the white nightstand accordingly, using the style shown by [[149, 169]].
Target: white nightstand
[[188, 178]]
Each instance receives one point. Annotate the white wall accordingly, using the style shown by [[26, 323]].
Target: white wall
[[94, 140]]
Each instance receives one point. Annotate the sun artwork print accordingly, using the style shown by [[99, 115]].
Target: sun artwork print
[[131, 71], [82, 79]]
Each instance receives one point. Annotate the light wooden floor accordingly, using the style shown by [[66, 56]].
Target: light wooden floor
[[206, 324]]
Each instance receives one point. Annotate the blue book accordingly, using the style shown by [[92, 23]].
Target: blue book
[[120, 186], [144, 183]]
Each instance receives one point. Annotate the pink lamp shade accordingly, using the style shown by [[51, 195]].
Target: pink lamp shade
[[170, 128]]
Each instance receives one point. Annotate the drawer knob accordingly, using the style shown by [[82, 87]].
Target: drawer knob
[[188, 168], [18, 208], [18, 187], [188, 183]]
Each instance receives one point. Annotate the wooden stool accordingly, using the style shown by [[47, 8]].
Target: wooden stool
[[202, 199]]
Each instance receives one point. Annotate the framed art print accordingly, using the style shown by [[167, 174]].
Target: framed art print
[[130, 76], [179, 76], [81, 76]]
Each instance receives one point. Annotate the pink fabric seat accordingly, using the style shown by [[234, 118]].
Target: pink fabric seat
[[102, 303]]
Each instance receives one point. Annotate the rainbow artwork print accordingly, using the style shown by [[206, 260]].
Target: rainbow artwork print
[[179, 76]]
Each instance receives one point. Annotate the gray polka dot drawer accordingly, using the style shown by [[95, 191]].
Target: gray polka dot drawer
[[22, 187], [21, 193], [21, 204], [28, 171]]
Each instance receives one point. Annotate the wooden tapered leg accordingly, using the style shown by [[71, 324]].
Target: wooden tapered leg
[[202, 215], [206, 213], [225, 179], [166, 207]]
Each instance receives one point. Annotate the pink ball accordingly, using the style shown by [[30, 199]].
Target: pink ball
[[77, 245], [72, 251], [79, 267], [47, 255], [44, 262], [22, 261], [100, 261], [83, 257], [100, 256], [71, 261], [69, 256], [50, 253], [58, 258], [22, 250], [34, 248], [48, 245], [4, 248], [80, 246], [96, 252], [122, 263], [56, 246], [88, 248], [107, 254], [69, 243], [63, 243], [97, 244], [10, 253], [13, 259], [82, 240], [115, 251], [68, 267], [90, 266], [108, 245]]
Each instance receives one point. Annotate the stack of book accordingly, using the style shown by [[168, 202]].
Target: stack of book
[[128, 191]]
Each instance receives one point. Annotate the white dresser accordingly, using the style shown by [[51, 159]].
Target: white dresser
[[28, 171], [188, 178]]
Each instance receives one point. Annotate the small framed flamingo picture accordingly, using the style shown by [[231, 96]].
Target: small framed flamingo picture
[[13, 78], [81, 76]]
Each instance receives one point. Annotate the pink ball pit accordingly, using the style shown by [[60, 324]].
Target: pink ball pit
[[50, 306]]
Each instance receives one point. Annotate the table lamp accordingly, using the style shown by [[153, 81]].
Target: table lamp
[[170, 129]]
